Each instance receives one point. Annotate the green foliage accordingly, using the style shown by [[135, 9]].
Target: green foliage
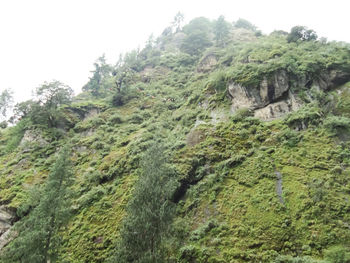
[[6, 100], [308, 115], [227, 207], [252, 62], [242, 23], [197, 36], [44, 110], [301, 33], [150, 210], [242, 113], [38, 233], [101, 72], [16, 134], [221, 31], [177, 22], [337, 124], [290, 259], [337, 254]]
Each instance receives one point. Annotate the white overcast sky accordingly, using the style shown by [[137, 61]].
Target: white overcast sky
[[42, 40]]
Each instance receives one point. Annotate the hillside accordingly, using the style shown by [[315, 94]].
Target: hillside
[[246, 136]]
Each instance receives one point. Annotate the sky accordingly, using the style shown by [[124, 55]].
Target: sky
[[44, 40]]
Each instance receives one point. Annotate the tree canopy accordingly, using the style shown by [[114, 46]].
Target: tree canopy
[[44, 108], [197, 36], [301, 33], [221, 31], [101, 71]]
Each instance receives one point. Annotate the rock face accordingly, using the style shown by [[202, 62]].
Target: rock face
[[258, 97], [273, 98], [207, 63], [278, 109], [32, 136], [6, 220]]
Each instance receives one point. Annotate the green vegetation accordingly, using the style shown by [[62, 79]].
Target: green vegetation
[[149, 212], [6, 101], [222, 186], [38, 237]]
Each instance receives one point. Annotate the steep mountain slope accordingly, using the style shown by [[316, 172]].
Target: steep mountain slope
[[256, 130]]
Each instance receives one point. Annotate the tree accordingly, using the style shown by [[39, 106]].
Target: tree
[[101, 71], [221, 31], [38, 233], [44, 109], [50, 96], [197, 36], [6, 100], [150, 211], [53, 94], [178, 20], [301, 33], [242, 23]]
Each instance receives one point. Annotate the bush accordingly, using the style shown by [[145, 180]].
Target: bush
[[115, 119], [336, 123], [290, 259], [118, 100], [337, 254], [301, 119], [242, 113]]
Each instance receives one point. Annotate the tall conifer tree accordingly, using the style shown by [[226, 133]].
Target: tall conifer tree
[[37, 238]]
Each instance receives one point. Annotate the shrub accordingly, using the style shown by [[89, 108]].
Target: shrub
[[242, 113], [115, 119], [337, 254], [337, 123]]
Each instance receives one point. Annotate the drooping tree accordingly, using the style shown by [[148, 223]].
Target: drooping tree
[[38, 236], [150, 211]]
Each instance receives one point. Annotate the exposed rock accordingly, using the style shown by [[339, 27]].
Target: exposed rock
[[150, 72], [332, 79], [279, 186], [273, 98], [207, 63], [32, 136], [195, 136], [242, 34], [278, 109], [91, 113], [267, 92], [85, 112], [6, 221]]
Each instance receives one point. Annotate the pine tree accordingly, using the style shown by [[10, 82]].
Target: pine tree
[[150, 211], [221, 31], [37, 238]]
